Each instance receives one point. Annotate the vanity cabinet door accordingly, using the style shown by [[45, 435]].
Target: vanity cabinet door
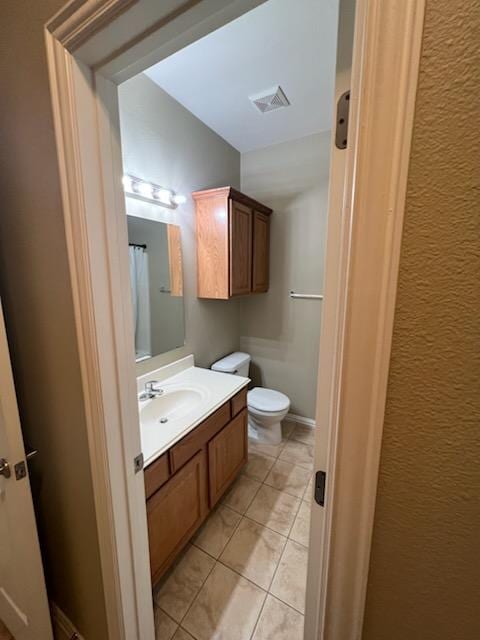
[[175, 512], [261, 250], [240, 249], [227, 453]]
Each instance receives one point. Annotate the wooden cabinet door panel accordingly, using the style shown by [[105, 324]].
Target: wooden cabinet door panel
[[227, 453], [212, 247], [261, 250], [174, 513], [156, 474], [175, 260], [188, 446], [240, 249]]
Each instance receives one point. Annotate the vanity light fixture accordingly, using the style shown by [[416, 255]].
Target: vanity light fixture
[[179, 199], [138, 188]]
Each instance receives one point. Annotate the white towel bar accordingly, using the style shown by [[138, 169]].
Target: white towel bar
[[309, 296]]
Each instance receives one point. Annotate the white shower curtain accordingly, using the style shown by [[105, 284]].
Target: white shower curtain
[[140, 300]]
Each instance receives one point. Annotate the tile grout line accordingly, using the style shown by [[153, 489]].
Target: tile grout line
[[243, 515], [285, 491], [285, 535], [242, 576], [259, 616], [201, 586], [223, 563], [260, 524], [156, 606], [300, 499], [306, 488], [224, 506], [285, 546], [281, 553], [216, 560], [196, 596], [287, 604], [280, 559], [233, 571], [252, 499]]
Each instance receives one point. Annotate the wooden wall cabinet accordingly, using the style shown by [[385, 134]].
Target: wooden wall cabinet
[[186, 482], [233, 243]]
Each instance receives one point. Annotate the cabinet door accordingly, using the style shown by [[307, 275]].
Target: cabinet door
[[174, 513], [261, 251], [175, 260], [227, 453], [240, 249]]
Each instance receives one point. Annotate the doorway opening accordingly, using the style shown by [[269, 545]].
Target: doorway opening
[[250, 108], [362, 262]]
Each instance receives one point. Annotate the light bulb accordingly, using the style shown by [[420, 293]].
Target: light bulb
[[150, 191], [178, 199], [127, 183], [145, 189], [163, 195]]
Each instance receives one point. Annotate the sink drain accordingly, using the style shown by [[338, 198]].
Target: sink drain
[[163, 420]]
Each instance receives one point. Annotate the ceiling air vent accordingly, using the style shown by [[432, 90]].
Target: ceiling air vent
[[270, 100]]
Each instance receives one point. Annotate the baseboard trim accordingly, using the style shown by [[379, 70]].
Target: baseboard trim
[[308, 422], [63, 628]]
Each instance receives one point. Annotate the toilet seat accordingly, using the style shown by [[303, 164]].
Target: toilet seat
[[267, 401]]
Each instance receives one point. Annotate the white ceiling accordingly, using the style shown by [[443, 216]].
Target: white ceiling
[[290, 43]]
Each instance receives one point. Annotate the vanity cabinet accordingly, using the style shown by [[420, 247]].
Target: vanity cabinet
[[187, 481], [233, 234], [227, 453], [175, 512]]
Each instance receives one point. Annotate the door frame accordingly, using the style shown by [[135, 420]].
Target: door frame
[[92, 45]]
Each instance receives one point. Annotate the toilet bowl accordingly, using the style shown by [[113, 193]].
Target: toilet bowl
[[266, 407], [266, 410]]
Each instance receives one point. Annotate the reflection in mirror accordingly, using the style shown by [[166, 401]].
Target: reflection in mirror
[[156, 279]]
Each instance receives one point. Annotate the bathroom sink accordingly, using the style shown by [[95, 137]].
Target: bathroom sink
[[189, 395], [173, 404]]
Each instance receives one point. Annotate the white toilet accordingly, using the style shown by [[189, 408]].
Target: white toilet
[[266, 407]]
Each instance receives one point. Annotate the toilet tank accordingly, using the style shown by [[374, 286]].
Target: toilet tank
[[237, 363]]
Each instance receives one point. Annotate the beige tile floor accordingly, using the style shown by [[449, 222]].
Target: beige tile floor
[[243, 577]]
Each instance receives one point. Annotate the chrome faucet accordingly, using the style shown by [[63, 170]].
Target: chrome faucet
[[151, 391]]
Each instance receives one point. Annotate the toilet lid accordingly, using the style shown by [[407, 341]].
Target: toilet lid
[[267, 400]]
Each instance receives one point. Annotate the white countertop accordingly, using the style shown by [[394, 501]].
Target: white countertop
[[197, 393]]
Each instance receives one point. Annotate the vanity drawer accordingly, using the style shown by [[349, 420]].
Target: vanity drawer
[[239, 401], [156, 474], [198, 438]]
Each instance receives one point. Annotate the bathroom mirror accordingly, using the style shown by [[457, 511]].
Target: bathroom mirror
[[156, 280]]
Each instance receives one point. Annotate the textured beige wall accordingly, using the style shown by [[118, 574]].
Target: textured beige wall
[[281, 334], [424, 579], [35, 291], [165, 143]]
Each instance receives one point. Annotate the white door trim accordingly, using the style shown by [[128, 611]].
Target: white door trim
[[361, 280], [362, 265]]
